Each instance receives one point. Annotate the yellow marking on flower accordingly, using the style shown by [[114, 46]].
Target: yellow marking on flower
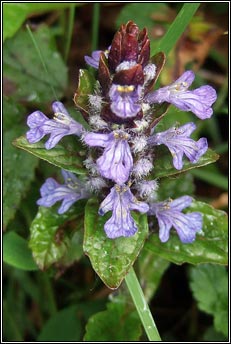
[[126, 88], [61, 117], [119, 135], [177, 131], [181, 85], [117, 188], [72, 185]]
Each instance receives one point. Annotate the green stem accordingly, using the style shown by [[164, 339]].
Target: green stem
[[11, 325], [95, 26], [49, 294], [142, 306], [69, 31]]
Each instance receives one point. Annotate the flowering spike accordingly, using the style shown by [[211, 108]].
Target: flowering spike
[[123, 112]]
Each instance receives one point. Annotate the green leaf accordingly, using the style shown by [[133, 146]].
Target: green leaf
[[63, 326], [164, 167], [54, 237], [214, 178], [69, 154], [48, 242], [86, 85], [151, 268], [174, 187], [16, 252], [75, 249], [111, 259], [118, 324], [209, 284], [25, 71], [210, 246], [13, 114], [176, 29], [211, 335], [19, 167], [15, 14]]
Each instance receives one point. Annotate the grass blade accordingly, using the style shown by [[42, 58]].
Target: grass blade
[[177, 28]]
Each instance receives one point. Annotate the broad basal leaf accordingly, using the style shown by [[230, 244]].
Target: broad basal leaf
[[62, 326], [48, 241], [111, 258], [13, 114], [209, 284], [18, 174], [75, 249], [14, 14], [210, 246], [68, 154], [23, 67], [117, 324], [16, 252], [53, 235]]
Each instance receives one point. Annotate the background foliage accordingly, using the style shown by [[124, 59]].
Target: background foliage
[[66, 300]]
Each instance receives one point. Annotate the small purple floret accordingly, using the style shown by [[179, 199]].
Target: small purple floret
[[61, 125], [121, 201], [125, 100], [199, 101], [169, 214], [178, 142], [116, 161], [70, 192]]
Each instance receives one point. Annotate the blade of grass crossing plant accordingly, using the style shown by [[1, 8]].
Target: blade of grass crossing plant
[[69, 31], [142, 306], [41, 58], [211, 177], [95, 26], [177, 28]]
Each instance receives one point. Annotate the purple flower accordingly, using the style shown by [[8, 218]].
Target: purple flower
[[169, 214], [199, 101], [116, 161], [58, 127], [93, 60], [124, 100], [120, 201], [178, 142], [71, 191]]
